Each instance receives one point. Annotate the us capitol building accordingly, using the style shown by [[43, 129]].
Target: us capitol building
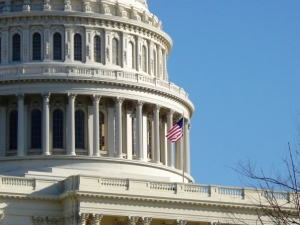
[[85, 105]]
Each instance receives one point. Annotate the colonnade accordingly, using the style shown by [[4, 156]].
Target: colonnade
[[119, 131]]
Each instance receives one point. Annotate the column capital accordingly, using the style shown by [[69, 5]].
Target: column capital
[[146, 220], [170, 112], [52, 220], [119, 100], [20, 96], [131, 220], [180, 222], [38, 220], [96, 218], [140, 103], [96, 98], [46, 96], [157, 107], [71, 96], [82, 217]]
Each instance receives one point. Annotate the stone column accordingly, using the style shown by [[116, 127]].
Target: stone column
[[179, 154], [107, 58], [25, 39], [187, 156], [156, 134], [3, 130], [150, 58], [129, 130], [46, 124], [159, 62], [71, 125], [89, 49], [139, 129], [81, 219], [164, 144], [96, 99], [68, 44], [119, 102], [46, 43], [20, 125], [145, 134], [111, 128], [169, 143]]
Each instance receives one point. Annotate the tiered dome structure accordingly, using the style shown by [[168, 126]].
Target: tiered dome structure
[[85, 89]]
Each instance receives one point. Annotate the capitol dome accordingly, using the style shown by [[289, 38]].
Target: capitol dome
[[84, 89]]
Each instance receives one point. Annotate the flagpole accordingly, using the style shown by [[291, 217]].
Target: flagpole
[[182, 144]]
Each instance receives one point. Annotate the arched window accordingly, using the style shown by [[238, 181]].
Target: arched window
[[16, 48], [79, 129], [101, 131], [57, 46], [36, 129], [149, 139], [58, 129], [36, 47], [13, 130], [130, 55], [77, 47], [154, 63], [97, 49], [115, 51], [134, 136], [144, 59]]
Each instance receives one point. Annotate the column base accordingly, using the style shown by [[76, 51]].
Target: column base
[[47, 153], [97, 154]]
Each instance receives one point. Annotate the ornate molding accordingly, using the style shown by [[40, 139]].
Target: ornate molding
[[131, 220], [96, 218], [38, 220], [119, 100], [46, 96], [20, 97], [71, 96], [82, 218], [96, 98], [146, 220]]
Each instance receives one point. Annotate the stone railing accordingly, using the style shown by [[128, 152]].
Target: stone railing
[[71, 72], [18, 182]]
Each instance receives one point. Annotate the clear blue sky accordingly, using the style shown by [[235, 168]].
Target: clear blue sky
[[239, 61]]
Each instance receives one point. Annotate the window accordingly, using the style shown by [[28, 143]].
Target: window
[[101, 131], [57, 46], [77, 47], [13, 130], [36, 47], [36, 129], [58, 128], [130, 55], [79, 129], [144, 59], [134, 136], [115, 50], [16, 48], [97, 49]]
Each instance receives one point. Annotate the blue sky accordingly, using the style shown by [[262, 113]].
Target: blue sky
[[239, 61]]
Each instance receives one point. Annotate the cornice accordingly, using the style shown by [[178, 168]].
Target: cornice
[[94, 20]]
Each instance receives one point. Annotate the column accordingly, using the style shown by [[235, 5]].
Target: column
[[111, 128], [88, 44], [46, 124], [132, 220], [26, 44], [150, 58], [169, 143], [145, 134], [4, 48], [82, 218], [107, 58], [119, 102], [159, 62], [96, 99], [164, 147], [138, 57], [3, 116], [156, 134], [129, 130], [71, 125], [139, 129], [20, 151], [187, 156]]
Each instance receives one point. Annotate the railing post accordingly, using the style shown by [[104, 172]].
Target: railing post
[[213, 191]]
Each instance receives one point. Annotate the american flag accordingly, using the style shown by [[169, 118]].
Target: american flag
[[176, 132]]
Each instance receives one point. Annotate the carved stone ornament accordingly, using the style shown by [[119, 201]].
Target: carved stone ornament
[[144, 2], [122, 12], [71, 96], [52, 220], [89, 51], [5, 52], [96, 98], [105, 8], [70, 219], [107, 54], [82, 218], [86, 6], [47, 48], [125, 57], [46, 96], [68, 49], [47, 5], [25, 50], [146, 220], [20, 97], [38, 220], [135, 15], [180, 222], [67, 6], [140, 103], [119, 100], [96, 218], [131, 220], [157, 107]]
